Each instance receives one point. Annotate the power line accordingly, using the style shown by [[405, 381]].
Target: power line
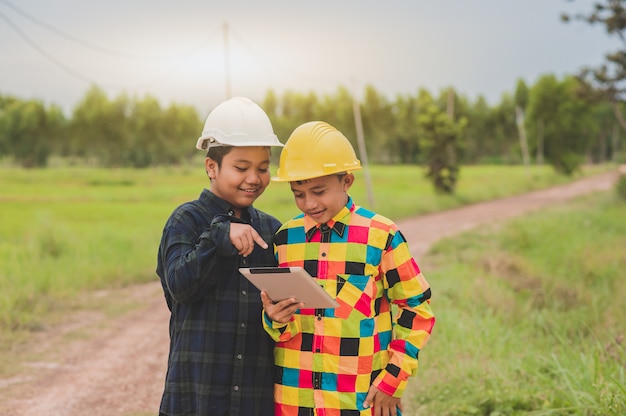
[[66, 35], [59, 63], [172, 63], [42, 51], [93, 46]]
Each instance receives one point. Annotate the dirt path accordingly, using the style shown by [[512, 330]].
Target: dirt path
[[96, 366]]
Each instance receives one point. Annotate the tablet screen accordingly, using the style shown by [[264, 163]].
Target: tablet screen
[[289, 282]]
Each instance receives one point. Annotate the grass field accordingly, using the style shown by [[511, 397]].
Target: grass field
[[66, 230], [531, 318], [526, 323]]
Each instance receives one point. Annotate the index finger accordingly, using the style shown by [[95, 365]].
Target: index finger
[[258, 239]]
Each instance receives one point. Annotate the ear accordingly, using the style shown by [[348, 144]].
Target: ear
[[211, 167], [346, 181]]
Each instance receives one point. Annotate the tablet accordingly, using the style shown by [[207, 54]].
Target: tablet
[[289, 282]]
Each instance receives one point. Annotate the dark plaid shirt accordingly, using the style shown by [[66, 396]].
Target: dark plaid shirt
[[220, 359]]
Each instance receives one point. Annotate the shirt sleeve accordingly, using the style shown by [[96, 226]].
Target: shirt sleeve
[[188, 259], [281, 332], [410, 292]]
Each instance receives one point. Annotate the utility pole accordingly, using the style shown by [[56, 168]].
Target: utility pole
[[226, 61], [450, 104], [358, 123], [521, 128]]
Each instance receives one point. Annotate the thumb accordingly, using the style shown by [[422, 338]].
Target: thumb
[[368, 399], [265, 300]]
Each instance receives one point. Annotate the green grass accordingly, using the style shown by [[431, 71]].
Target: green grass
[[67, 231], [530, 317]]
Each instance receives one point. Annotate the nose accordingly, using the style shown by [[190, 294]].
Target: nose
[[253, 178], [310, 202]]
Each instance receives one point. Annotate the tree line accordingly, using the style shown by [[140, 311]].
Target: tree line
[[564, 122], [558, 123]]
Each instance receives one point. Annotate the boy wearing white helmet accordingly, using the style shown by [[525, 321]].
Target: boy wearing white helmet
[[220, 359], [354, 359]]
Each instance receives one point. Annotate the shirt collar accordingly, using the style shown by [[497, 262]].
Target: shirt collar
[[225, 207], [338, 223]]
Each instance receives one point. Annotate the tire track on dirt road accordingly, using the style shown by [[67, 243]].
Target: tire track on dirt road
[[119, 368]]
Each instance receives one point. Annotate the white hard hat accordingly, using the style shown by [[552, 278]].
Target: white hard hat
[[237, 122]]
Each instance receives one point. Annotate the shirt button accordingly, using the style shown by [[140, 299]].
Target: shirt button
[[317, 350], [244, 293], [323, 254], [239, 356], [243, 324], [319, 317], [236, 388]]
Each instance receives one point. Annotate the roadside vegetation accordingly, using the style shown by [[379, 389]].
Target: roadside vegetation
[[530, 316]]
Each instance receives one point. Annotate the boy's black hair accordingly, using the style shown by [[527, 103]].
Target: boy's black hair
[[217, 153]]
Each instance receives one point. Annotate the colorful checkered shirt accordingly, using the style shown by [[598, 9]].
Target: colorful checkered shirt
[[327, 359]]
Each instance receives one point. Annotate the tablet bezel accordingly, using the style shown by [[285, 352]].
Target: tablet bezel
[[289, 282]]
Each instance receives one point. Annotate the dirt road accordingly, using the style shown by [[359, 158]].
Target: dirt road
[[95, 365]]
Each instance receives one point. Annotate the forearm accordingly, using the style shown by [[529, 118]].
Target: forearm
[[190, 263], [411, 334]]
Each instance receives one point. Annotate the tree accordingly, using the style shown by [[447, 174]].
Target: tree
[[147, 137], [338, 110], [501, 145], [479, 132], [180, 127], [404, 144], [378, 124], [440, 137], [100, 130], [565, 120], [5, 145], [610, 77], [29, 132], [291, 109]]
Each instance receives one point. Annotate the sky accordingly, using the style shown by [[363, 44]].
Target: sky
[[200, 52]]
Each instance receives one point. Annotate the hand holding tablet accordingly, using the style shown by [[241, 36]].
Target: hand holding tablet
[[289, 282]]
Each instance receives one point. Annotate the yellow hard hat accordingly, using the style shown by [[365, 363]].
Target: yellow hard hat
[[315, 149]]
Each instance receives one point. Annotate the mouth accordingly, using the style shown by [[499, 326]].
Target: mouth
[[316, 214], [249, 190]]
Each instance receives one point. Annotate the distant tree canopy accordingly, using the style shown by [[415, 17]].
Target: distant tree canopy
[[608, 80], [441, 132]]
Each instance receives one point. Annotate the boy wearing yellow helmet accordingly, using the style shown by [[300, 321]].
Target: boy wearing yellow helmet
[[220, 359], [354, 359]]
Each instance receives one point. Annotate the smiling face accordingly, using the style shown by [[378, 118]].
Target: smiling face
[[242, 175], [322, 198]]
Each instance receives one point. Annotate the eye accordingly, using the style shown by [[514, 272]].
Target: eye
[[264, 170], [318, 193], [241, 169]]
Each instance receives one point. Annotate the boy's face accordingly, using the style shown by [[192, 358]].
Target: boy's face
[[322, 198], [243, 175]]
